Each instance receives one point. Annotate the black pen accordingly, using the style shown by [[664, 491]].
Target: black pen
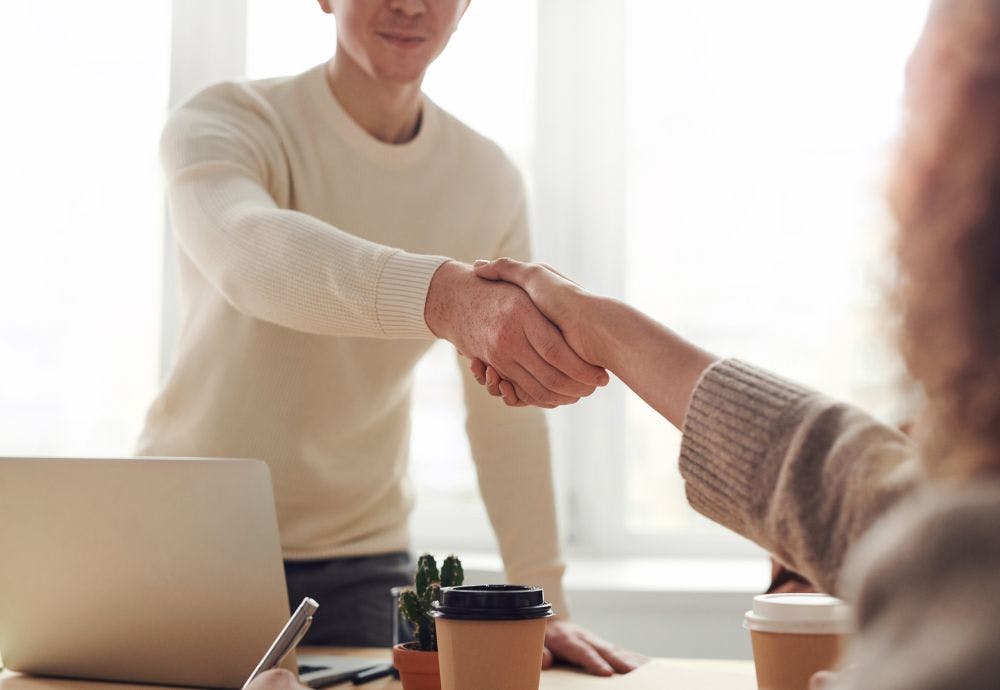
[[370, 674]]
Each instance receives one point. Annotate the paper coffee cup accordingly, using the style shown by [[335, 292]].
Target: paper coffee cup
[[490, 637], [795, 635]]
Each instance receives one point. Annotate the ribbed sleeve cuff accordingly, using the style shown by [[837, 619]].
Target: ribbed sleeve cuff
[[402, 292], [736, 412]]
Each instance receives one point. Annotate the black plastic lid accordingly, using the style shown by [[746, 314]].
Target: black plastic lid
[[491, 603]]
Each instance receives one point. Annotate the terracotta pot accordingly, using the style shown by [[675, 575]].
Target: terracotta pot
[[418, 670]]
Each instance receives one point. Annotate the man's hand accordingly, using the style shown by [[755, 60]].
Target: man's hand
[[565, 641], [276, 679], [497, 322], [561, 300]]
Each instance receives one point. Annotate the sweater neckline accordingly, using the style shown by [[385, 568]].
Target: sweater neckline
[[390, 156]]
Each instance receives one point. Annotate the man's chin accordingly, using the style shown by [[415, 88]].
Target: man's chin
[[401, 76], [399, 69]]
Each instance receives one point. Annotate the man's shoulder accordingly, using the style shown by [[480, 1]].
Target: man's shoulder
[[256, 113], [236, 95], [476, 149], [242, 119]]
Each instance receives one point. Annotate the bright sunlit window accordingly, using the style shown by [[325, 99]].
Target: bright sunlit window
[[80, 266], [758, 136]]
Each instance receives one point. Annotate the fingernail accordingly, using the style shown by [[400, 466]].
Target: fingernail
[[480, 262]]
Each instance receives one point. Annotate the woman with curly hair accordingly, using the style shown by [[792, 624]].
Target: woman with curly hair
[[907, 529]]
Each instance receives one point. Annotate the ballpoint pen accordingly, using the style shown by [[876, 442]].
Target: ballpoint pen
[[286, 640]]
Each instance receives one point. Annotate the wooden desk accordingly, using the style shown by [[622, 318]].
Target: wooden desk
[[661, 674]]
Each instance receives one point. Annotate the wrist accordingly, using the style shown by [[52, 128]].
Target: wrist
[[442, 297], [601, 317]]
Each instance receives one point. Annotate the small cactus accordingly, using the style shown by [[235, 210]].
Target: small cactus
[[415, 604]]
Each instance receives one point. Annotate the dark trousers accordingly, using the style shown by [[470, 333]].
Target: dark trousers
[[355, 605]]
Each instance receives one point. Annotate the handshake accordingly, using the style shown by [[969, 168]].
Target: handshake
[[533, 335]]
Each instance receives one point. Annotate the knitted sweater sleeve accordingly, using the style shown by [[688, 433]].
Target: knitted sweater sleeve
[[801, 475], [220, 153]]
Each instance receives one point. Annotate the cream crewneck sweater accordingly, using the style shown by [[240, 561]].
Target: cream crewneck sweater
[[306, 250]]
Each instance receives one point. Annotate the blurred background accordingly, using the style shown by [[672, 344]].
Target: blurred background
[[717, 163]]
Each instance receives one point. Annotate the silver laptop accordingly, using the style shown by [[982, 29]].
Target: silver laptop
[[149, 570]]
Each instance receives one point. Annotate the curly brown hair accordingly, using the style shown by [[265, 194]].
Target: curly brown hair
[[945, 193]]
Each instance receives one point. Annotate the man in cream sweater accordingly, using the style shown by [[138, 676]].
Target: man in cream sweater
[[325, 224]]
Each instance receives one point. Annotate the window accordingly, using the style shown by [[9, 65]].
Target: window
[[757, 136], [82, 233], [718, 164]]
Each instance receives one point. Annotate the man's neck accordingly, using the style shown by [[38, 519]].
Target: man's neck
[[389, 112]]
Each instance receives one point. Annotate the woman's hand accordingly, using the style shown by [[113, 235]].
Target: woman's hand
[[559, 299], [562, 301], [497, 321]]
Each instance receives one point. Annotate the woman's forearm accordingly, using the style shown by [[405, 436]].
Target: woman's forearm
[[661, 367], [657, 364]]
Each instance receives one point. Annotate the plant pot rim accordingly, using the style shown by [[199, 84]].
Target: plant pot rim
[[411, 646], [408, 660]]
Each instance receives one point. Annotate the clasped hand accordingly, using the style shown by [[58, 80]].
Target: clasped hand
[[497, 322], [563, 305]]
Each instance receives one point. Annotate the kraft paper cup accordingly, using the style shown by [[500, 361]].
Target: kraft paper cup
[[490, 637], [795, 635]]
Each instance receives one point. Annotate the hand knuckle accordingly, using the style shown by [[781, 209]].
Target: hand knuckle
[[550, 348], [550, 378]]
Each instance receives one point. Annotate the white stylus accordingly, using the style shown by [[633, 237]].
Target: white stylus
[[287, 639]]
